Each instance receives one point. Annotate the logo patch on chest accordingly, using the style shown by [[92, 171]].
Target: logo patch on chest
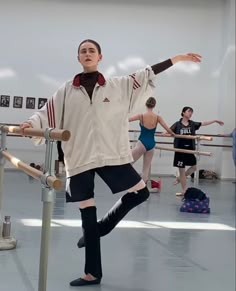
[[186, 131], [106, 100]]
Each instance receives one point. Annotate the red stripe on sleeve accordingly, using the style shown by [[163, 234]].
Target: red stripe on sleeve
[[136, 83], [48, 113], [53, 115]]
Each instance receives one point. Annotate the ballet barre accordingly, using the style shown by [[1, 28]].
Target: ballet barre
[[50, 181], [55, 134], [218, 135], [196, 137], [49, 184], [216, 145], [193, 152], [184, 151], [201, 136]]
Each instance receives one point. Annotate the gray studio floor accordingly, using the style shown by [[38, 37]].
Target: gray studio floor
[[156, 248]]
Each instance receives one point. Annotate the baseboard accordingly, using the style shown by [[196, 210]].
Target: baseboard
[[228, 179]]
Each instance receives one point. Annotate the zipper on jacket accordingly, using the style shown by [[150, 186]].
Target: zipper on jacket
[[94, 89], [85, 93]]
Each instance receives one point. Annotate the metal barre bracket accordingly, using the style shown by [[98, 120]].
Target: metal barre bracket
[[2, 145], [47, 133], [43, 179], [2, 160]]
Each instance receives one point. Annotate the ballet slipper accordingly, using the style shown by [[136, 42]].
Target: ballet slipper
[[179, 194], [85, 281], [177, 181]]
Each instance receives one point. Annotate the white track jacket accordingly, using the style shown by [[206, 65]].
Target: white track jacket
[[99, 127]]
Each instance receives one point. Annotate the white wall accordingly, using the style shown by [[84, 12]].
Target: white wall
[[226, 101], [39, 41]]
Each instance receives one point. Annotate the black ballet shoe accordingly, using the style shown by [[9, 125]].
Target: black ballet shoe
[[82, 282], [81, 243]]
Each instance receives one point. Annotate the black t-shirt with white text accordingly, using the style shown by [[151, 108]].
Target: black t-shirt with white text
[[190, 129]]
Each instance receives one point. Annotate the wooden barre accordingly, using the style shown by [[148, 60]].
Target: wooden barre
[[200, 137], [219, 135], [184, 151], [203, 134], [202, 144], [57, 134], [52, 182], [216, 145]]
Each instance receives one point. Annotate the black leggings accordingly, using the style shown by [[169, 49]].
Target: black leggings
[[120, 209], [93, 264], [118, 212]]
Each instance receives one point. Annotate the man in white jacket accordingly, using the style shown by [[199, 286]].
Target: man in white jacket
[[95, 111]]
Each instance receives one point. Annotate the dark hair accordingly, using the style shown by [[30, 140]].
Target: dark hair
[[151, 102], [93, 42], [185, 109]]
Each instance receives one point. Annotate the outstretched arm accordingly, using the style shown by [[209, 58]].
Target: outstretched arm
[[165, 126], [140, 84], [135, 117], [189, 57], [205, 123]]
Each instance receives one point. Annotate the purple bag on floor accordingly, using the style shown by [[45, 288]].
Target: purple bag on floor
[[195, 206], [195, 201]]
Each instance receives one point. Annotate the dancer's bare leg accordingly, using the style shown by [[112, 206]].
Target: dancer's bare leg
[[147, 161], [183, 181], [189, 172], [138, 151]]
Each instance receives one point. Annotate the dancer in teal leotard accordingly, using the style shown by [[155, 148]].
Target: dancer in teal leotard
[[146, 141], [147, 136]]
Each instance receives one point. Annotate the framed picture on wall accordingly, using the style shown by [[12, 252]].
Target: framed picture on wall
[[17, 102], [30, 102], [42, 102], [5, 101]]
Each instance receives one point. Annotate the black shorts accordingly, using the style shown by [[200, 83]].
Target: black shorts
[[118, 178], [181, 160]]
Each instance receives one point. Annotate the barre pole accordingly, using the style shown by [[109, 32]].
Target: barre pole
[[51, 181], [6, 243], [48, 200], [184, 151], [48, 181], [197, 137], [201, 137], [2, 162], [196, 177], [56, 134]]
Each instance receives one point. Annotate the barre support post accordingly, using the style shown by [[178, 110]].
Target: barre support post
[[2, 163], [196, 176], [48, 200], [7, 243]]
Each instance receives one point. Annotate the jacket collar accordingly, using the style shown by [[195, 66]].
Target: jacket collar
[[100, 80]]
